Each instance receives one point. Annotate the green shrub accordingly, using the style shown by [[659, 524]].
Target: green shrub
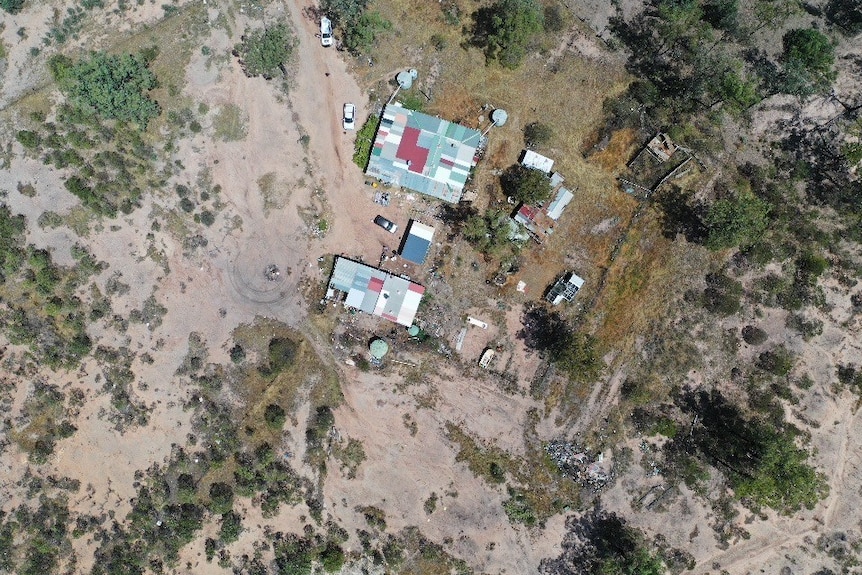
[[505, 29], [537, 134], [231, 527], [364, 141], [12, 6], [264, 52], [332, 557], [28, 139], [359, 36], [518, 509], [753, 335], [778, 361], [114, 86], [221, 498], [274, 416]]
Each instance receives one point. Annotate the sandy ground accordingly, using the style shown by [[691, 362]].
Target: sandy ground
[[212, 290]]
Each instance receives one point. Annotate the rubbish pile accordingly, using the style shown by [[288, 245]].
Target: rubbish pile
[[381, 198], [579, 463]]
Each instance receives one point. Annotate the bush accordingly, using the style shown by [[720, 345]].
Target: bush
[[28, 139], [554, 21], [274, 416], [221, 498], [504, 29], [778, 361], [12, 6], [114, 86], [518, 509], [231, 527], [736, 221], [753, 335], [332, 557], [722, 294], [808, 58], [343, 12], [237, 353], [439, 42], [364, 141], [360, 35], [537, 134], [263, 52], [207, 218], [282, 352]]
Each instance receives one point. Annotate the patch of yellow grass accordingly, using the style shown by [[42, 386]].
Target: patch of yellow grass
[[616, 154]]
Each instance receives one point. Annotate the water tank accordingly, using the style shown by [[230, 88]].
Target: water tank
[[499, 116], [404, 79], [378, 348], [414, 73], [413, 331]]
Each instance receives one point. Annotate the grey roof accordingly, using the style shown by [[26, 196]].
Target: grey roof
[[376, 291]]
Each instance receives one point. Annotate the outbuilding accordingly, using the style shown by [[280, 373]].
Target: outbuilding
[[417, 242]]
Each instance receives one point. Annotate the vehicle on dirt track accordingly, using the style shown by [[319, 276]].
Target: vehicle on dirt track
[[325, 31], [387, 225], [348, 118]]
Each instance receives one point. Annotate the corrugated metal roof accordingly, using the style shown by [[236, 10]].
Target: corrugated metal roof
[[376, 291], [530, 159], [415, 249], [559, 203], [450, 148]]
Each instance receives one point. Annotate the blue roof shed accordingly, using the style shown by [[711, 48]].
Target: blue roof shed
[[417, 242]]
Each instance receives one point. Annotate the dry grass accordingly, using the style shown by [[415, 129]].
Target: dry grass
[[546, 491], [649, 275], [176, 37], [615, 155], [307, 374], [230, 124]]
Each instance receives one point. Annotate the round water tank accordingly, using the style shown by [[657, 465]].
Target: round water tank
[[404, 79], [499, 116], [413, 330], [378, 348], [414, 73]]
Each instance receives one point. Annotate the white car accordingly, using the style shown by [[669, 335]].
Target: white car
[[348, 120], [325, 31]]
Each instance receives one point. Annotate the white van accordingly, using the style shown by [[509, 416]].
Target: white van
[[325, 31]]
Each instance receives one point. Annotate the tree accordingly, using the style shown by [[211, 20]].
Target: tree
[[12, 6], [274, 416], [537, 134], [526, 185], [360, 34], [231, 527], [846, 14], [758, 457], [263, 52], [221, 498], [731, 222], [753, 335], [114, 86], [808, 58], [504, 29], [343, 12], [722, 14], [601, 543]]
